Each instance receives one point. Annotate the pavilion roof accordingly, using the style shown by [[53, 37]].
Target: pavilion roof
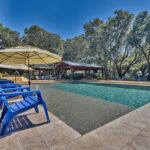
[[77, 66]]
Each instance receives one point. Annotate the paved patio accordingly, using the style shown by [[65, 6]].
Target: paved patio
[[31, 132], [129, 132]]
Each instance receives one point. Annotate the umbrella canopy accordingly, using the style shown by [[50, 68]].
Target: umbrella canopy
[[27, 55], [15, 67]]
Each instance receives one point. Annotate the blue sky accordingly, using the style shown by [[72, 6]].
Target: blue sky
[[64, 17]]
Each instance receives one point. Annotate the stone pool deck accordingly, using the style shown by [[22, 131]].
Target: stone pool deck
[[129, 132]]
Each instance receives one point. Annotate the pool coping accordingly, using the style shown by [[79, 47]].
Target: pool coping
[[118, 134], [99, 82]]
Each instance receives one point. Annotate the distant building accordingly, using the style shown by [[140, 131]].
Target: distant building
[[78, 70]]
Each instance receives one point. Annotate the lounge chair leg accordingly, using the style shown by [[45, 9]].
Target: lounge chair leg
[[5, 124], [36, 109], [3, 113], [46, 111]]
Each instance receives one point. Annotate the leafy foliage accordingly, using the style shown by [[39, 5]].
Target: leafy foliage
[[109, 41], [8, 37], [38, 37], [75, 49]]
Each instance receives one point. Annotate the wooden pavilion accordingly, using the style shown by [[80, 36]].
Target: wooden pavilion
[[64, 66], [41, 71]]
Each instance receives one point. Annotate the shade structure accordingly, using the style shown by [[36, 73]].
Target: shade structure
[[27, 55], [15, 67], [77, 66]]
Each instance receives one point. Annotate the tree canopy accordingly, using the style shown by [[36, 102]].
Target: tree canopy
[[8, 37], [38, 37]]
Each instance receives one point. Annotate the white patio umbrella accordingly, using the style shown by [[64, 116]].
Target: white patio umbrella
[[27, 55], [15, 67]]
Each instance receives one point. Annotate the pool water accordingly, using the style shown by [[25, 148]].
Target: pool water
[[130, 95]]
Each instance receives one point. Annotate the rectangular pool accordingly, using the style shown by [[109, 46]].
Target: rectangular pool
[[87, 106]]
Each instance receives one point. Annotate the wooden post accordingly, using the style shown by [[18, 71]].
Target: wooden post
[[85, 74], [102, 73], [72, 73]]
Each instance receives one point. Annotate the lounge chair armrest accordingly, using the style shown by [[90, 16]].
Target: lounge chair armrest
[[19, 93], [16, 89], [10, 85], [4, 101], [7, 84]]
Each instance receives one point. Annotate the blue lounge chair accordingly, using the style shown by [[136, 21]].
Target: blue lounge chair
[[11, 90], [8, 85], [7, 88], [17, 89], [5, 81], [31, 99]]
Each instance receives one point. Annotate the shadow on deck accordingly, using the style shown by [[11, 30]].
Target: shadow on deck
[[19, 123]]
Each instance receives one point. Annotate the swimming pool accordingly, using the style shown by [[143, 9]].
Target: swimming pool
[[82, 113], [130, 95], [87, 106]]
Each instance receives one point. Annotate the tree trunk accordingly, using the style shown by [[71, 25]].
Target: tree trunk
[[148, 77], [120, 74], [106, 73]]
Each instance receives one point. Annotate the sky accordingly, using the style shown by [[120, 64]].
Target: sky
[[63, 17]]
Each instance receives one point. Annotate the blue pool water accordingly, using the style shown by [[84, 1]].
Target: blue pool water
[[134, 96]]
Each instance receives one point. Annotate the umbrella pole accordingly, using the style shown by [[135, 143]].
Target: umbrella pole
[[15, 75], [29, 82]]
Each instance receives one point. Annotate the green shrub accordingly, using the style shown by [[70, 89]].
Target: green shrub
[[99, 78], [1, 75]]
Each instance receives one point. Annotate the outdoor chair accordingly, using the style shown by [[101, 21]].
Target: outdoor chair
[[5, 81], [16, 89], [10, 85], [30, 99], [11, 90]]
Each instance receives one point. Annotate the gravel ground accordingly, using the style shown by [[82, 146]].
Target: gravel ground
[[82, 113]]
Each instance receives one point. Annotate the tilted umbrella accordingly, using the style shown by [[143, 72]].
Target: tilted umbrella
[[15, 67], [27, 55]]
